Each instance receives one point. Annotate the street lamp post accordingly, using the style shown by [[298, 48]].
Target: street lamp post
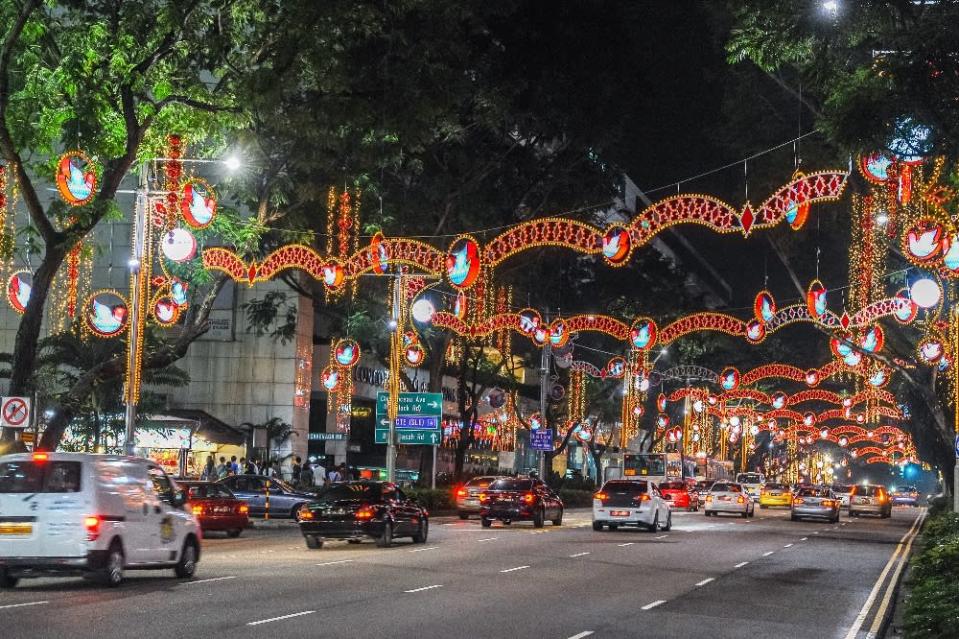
[[139, 280]]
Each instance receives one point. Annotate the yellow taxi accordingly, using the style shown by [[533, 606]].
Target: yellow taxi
[[773, 494]]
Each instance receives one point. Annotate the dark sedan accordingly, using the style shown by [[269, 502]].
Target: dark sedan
[[520, 499], [215, 507], [358, 510], [264, 495]]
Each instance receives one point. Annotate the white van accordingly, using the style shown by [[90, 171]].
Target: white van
[[93, 515]]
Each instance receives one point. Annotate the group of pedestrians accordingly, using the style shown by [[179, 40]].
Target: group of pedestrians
[[304, 475]]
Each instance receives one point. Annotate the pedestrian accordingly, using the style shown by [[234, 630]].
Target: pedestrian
[[223, 470], [234, 467], [344, 472], [209, 470], [297, 469], [265, 468], [319, 474], [334, 476], [306, 476], [242, 466], [250, 468]]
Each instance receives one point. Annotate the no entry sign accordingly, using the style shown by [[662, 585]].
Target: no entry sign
[[15, 412]]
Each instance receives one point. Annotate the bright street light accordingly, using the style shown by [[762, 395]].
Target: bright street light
[[232, 163], [831, 7], [925, 293]]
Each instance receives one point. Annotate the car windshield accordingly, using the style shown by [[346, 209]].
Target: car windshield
[[812, 492], [775, 487], [726, 488], [869, 491], [672, 485], [351, 491], [907, 489], [633, 487], [511, 484], [749, 478], [39, 477], [842, 489], [480, 482], [703, 485], [208, 491]]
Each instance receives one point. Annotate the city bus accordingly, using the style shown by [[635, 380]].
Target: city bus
[[660, 467]]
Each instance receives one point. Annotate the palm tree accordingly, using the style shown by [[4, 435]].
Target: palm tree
[[277, 432]]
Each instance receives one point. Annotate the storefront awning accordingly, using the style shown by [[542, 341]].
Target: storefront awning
[[202, 423]]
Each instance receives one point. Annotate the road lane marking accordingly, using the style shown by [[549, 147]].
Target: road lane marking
[[425, 588], [206, 581], [788, 546], [487, 539], [766, 554], [705, 581], [815, 532], [649, 606], [628, 543], [585, 633], [804, 539], [515, 569], [580, 554], [425, 549], [295, 614], [881, 612], [333, 563], [662, 537], [861, 617], [24, 605], [741, 564]]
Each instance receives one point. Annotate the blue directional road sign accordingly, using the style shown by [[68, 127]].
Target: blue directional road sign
[[541, 439], [417, 421]]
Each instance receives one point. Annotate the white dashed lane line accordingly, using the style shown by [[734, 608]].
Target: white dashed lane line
[[580, 554], [434, 586], [628, 543], [424, 549], [515, 569], [705, 581], [804, 539], [336, 563], [487, 539], [206, 581], [271, 619], [766, 554], [581, 635], [24, 605], [788, 546], [741, 564], [652, 605], [662, 537]]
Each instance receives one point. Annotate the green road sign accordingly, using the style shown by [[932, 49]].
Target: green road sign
[[420, 404], [410, 437]]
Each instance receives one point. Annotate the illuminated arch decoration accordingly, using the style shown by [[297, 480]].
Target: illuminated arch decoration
[[76, 178], [379, 254], [552, 231], [922, 242], [617, 245], [702, 322], [796, 374]]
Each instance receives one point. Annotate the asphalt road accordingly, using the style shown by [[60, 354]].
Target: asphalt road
[[715, 577]]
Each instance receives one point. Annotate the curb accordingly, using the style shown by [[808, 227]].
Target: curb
[[895, 610]]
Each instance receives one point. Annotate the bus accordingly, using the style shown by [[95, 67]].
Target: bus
[[660, 467]]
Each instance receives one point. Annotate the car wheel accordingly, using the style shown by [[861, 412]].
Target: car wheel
[[423, 532], [539, 518], [559, 520], [385, 540], [597, 526], [112, 572], [234, 533], [6, 581], [486, 523], [793, 517], [186, 567], [354, 541], [653, 527], [751, 512], [313, 542], [464, 515], [669, 523]]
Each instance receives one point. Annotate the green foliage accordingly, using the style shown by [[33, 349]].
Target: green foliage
[[932, 606], [434, 500], [576, 497]]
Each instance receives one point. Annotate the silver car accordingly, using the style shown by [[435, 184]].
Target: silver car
[[869, 500], [468, 496], [729, 497], [815, 503]]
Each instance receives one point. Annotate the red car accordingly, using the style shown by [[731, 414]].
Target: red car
[[216, 508], [680, 494]]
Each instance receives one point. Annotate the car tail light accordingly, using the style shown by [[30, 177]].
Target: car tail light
[[643, 497], [484, 497], [600, 496], [243, 509], [529, 498], [92, 524], [881, 498], [461, 492], [709, 498], [798, 500], [197, 510], [364, 513], [304, 513], [828, 503], [740, 500], [40, 457]]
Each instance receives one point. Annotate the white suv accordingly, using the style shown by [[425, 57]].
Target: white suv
[[94, 515], [625, 502]]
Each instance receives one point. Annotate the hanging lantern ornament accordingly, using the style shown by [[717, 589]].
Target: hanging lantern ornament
[[617, 246], [18, 290], [106, 313], [379, 254], [642, 334], [812, 377], [178, 245], [922, 242], [661, 402], [346, 352], [764, 307], [198, 203], [76, 178], [330, 378], [729, 379], [463, 262], [414, 355], [816, 300]]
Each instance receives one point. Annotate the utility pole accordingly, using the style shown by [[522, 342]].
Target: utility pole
[[139, 280], [543, 382], [394, 381]]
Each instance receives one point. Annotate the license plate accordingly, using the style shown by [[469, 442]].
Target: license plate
[[222, 509], [863, 500], [724, 498], [15, 528], [619, 513], [775, 494]]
